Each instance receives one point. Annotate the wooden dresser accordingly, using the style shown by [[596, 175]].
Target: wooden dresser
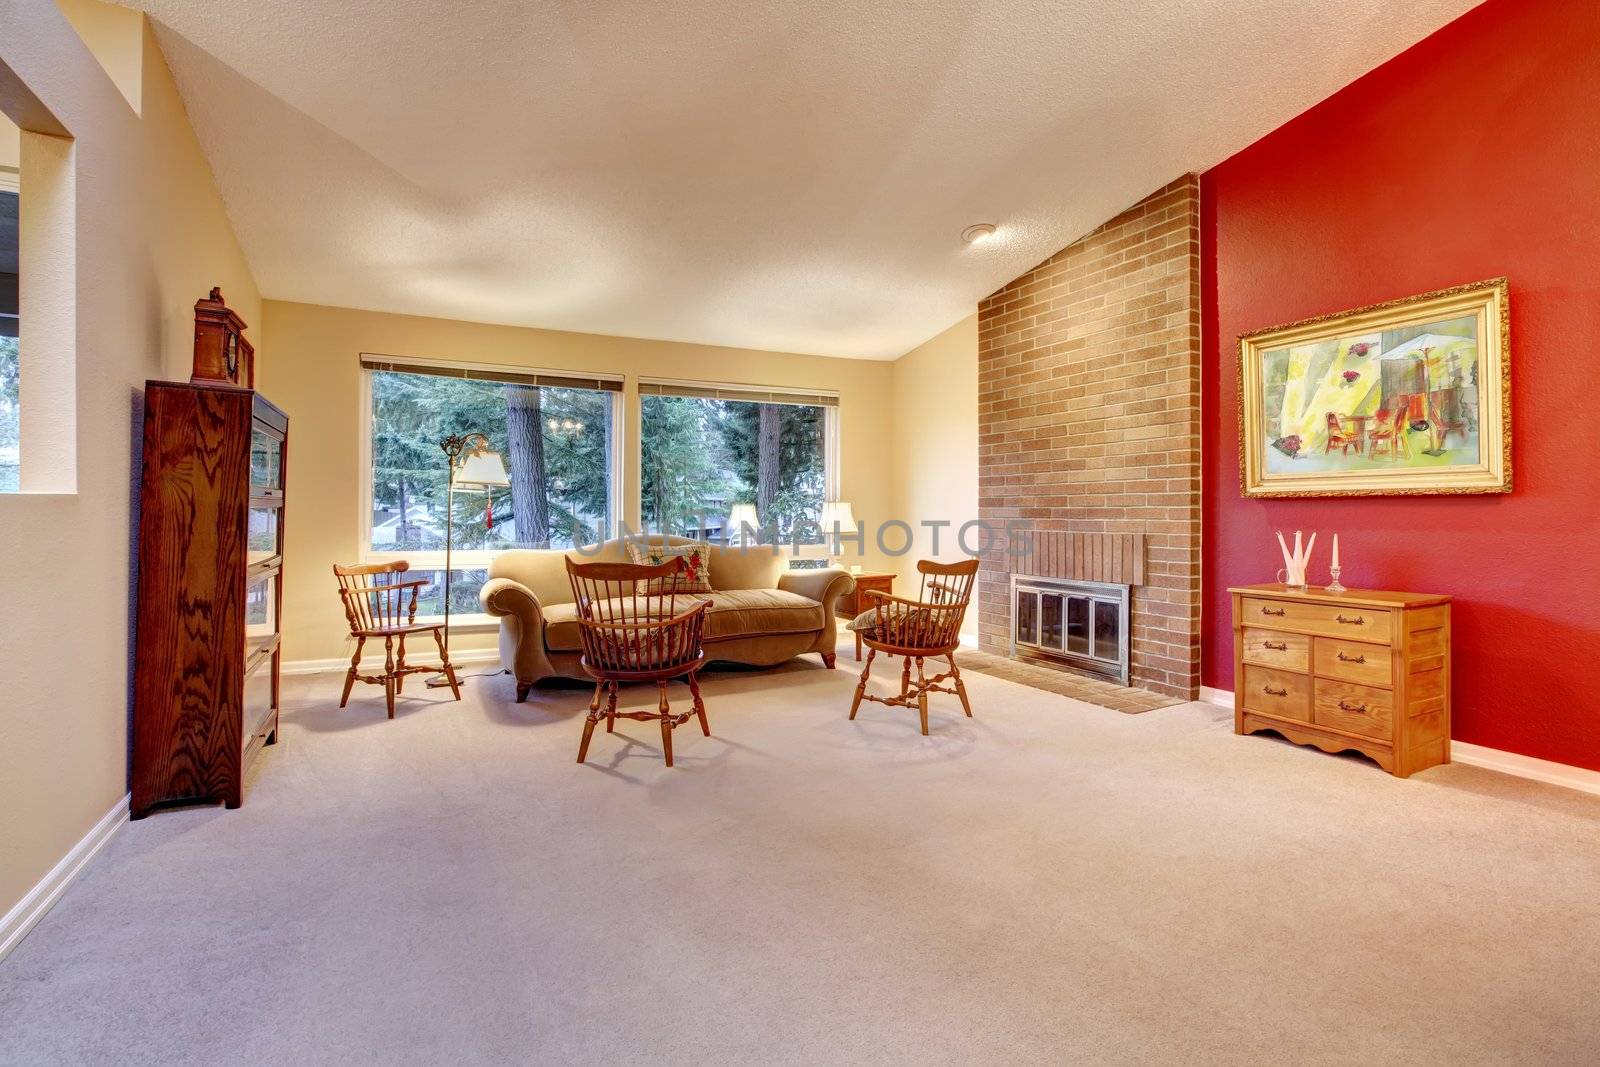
[[1365, 670]]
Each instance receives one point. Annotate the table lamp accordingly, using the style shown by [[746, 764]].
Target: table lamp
[[836, 518]]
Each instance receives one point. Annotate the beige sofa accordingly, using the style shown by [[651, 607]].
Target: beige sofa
[[761, 613]]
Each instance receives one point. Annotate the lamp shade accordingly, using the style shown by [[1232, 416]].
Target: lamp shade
[[838, 521], [479, 470], [740, 516], [837, 513]]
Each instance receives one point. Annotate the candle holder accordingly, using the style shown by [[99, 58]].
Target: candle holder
[[1333, 584]]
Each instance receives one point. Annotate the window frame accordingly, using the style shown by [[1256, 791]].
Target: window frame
[[464, 558], [830, 434]]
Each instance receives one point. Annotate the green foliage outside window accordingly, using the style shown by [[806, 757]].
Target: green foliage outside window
[[700, 456], [559, 463], [9, 414]]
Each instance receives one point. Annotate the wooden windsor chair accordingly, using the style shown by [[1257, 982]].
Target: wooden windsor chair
[[378, 603], [924, 628], [1389, 438], [636, 626]]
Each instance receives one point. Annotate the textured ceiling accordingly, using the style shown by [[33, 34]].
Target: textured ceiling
[[778, 174]]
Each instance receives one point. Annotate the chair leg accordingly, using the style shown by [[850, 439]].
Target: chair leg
[[861, 686], [666, 722], [961, 687], [450, 670], [388, 674], [611, 706], [594, 705], [699, 703], [400, 667], [588, 732], [350, 678], [905, 679], [922, 697]]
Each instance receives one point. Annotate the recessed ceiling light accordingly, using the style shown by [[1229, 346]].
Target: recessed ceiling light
[[978, 232]]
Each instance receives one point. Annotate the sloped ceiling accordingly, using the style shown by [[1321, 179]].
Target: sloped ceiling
[[774, 174]]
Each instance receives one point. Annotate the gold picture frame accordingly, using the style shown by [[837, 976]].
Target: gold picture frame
[[1408, 397]]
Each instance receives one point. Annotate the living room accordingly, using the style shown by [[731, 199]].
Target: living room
[[860, 533]]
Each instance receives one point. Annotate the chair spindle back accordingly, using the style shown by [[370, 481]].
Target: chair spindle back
[[933, 620], [634, 618], [375, 597]]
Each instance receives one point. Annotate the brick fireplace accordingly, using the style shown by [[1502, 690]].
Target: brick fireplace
[[1089, 433]]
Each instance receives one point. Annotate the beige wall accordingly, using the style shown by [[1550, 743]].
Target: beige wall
[[308, 365], [935, 447], [116, 37], [10, 148], [151, 238]]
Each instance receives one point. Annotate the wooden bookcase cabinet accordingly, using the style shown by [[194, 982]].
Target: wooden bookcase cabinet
[[1364, 670], [210, 592]]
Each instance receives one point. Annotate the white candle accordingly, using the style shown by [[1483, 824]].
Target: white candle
[[1335, 550]]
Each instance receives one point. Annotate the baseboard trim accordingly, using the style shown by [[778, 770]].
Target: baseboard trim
[[42, 897], [467, 658], [1490, 759], [1539, 770]]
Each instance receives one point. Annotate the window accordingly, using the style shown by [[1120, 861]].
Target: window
[[704, 449], [557, 434], [10, 321]]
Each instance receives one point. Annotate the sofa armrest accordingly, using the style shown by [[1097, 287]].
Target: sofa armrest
[[825, 586], [521, 630], [505, 596]]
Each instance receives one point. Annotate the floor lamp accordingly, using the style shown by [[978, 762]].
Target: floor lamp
[[474, 468]]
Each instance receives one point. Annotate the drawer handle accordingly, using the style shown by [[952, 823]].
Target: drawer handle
[[1359, 709], [1275, 646], [1352, 659], [1271, 692], [1357, 621], [1273, 611]]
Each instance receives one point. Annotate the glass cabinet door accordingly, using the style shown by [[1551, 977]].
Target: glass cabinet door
[[266, 459], [256, 705], [261, 614], [264, 540]]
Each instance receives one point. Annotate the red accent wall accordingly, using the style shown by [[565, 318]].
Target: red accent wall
[[1474, 154]]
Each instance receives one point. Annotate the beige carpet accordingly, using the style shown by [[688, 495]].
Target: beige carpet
[[1049, 882]]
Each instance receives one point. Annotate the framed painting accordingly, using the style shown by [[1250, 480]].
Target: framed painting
[[1407, 397]]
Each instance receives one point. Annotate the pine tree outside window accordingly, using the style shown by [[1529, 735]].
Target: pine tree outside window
[[706, 448], [557, 432]]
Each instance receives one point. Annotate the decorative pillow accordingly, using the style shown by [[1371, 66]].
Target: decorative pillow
[[902, 623], [696, 577], [866, 622]]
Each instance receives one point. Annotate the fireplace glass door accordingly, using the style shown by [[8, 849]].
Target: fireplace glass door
[[1082, 622]]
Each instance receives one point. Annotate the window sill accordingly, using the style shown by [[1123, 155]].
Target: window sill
[[478, 622]]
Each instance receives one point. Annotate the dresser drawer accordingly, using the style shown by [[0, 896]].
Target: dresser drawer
[[1359, 624], [1352, 661], [1277, 693], [1355, 709], [1269, 648]]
